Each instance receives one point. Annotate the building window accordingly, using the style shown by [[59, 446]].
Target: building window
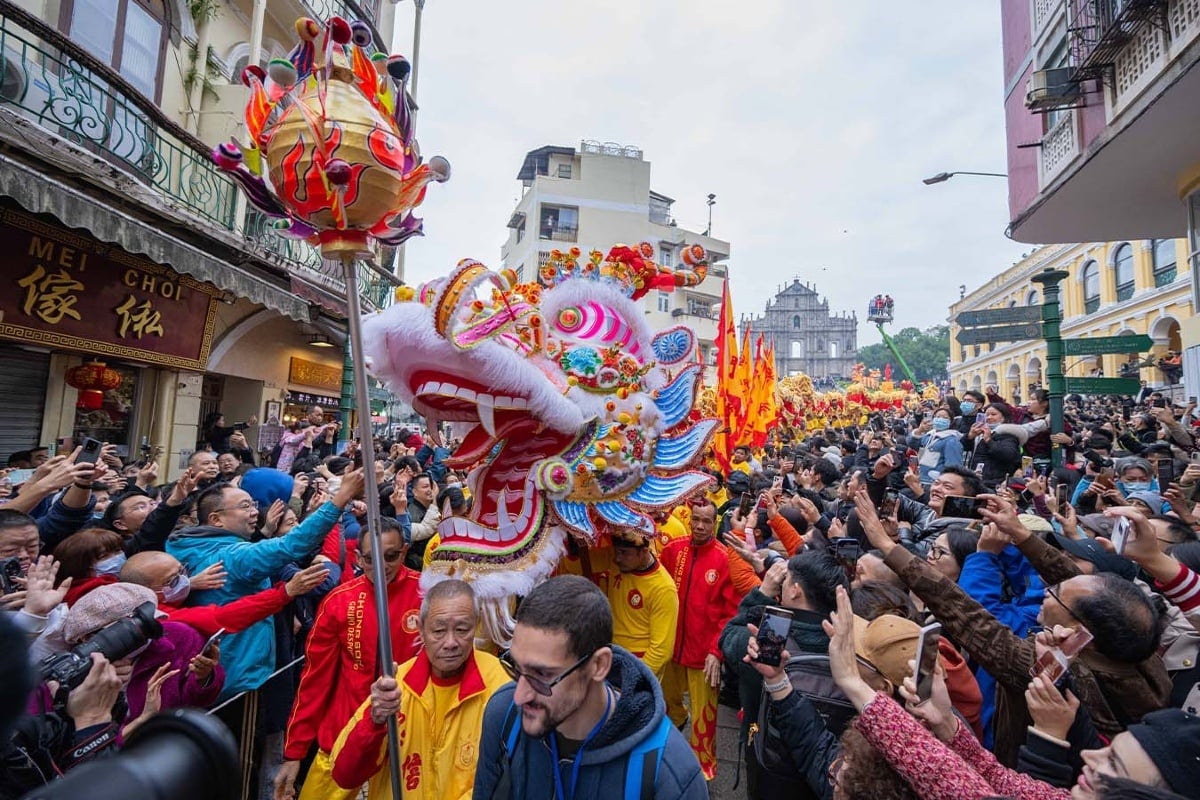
[[559, 223], [520, 233], [820, 345], [660, 209], [520, 273], [664, 302], [128, 35], [1058, 57], [1164, 262], [1032, 299], [796, 321], [1123, 270], [833, 349], [797, 349], [666, 257], [1091, 287], [564, 171], [962, 354]]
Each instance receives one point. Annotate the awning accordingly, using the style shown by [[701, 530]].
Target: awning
[[42, 194]]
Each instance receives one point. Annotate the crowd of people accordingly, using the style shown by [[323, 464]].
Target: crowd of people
[[964, 618]]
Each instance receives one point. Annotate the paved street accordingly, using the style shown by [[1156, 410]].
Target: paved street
[[721, 787]]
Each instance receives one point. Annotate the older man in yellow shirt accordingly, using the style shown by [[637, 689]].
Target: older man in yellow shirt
[[438, 699]]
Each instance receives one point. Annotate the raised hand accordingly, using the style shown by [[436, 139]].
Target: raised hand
[[212, 577], [1052, 713], [306, 580]]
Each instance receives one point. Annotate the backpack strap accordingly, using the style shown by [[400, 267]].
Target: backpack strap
[[641, 772], [510, 732]]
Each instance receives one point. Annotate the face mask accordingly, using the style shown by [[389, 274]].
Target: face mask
[[967, 407], [109, 566], [1136, 486], [993, 425], [940, 423], [177, 590]]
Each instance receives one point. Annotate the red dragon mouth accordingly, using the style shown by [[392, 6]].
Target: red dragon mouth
[[506, 442]]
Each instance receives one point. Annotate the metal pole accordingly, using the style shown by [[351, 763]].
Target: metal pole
[[354, 324], [887, 340], [416, 51], [1051, 331]]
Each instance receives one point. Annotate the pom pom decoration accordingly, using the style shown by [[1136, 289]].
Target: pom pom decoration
[[398, 68], [332, 154], [360, 34]]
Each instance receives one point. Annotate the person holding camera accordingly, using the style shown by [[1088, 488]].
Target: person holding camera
[[171, 670]]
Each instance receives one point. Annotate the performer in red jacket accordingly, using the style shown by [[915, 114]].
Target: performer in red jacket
[[699, 565], [341, 663]]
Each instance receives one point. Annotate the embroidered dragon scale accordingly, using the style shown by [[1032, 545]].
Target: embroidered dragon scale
[[333, 126], [572, 412]]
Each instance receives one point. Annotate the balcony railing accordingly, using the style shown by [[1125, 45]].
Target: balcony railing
[[1100, 30], [559, 233], [48, 80], [365, 10], [1059, 147]]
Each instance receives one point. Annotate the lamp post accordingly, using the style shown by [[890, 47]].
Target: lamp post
[[712, 201], [942, 177], [412, 92]]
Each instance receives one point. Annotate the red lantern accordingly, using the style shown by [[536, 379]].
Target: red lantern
[[92, 380]]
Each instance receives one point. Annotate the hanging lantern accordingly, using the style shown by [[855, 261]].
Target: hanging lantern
[[92, 380]]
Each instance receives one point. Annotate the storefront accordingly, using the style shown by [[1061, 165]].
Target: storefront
[[69, 298]]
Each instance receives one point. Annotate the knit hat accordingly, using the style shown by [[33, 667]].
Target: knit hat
[[265, 486], [889, 642], [1152, 499], [1098, 524], [102, 607], [1172, 740]]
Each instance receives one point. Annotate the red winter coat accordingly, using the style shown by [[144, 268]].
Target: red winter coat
[[342, 658]]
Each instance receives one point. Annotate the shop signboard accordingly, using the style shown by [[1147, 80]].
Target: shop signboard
[[66, 290]]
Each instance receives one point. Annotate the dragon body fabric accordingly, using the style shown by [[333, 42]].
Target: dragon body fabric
[[574, 415]]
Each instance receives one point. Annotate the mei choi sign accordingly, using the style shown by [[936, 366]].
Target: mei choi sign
[[66, 290]]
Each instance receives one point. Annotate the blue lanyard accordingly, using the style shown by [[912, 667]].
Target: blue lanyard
[[577, 762]]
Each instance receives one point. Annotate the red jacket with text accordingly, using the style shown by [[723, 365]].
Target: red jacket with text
[[342, 658], [707, 599]]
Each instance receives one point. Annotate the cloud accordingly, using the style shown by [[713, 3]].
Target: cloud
[[812, 123]]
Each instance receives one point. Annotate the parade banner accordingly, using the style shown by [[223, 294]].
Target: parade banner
[[67, 290]]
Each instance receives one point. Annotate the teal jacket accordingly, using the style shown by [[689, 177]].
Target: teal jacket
[[248, 657]]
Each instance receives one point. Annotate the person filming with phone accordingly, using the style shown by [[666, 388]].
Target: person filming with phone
[[803, 587]]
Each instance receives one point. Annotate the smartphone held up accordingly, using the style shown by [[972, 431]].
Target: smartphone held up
[[772, 635]]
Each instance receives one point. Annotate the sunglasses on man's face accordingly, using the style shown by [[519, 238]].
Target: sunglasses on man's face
[[542, 687], [390, 556]]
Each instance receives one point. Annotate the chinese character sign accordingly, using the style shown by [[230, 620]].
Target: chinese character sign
[[69, 290]]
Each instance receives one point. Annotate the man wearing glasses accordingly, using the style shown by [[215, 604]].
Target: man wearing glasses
[[342, 660], [438, 698], [584, 718], [227, 520]]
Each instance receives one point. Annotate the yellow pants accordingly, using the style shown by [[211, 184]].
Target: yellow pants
[[701, 710], [319, 785]]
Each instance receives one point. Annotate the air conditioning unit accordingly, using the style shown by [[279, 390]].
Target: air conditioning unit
[[1051, 88], [12, 78]]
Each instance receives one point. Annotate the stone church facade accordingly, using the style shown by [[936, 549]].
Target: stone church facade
[[807, 337]]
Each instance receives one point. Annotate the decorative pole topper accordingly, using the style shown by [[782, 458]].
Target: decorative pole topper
[[332, 124]]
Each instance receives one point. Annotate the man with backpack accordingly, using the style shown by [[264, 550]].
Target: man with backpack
[[585, 718], [807, 585]]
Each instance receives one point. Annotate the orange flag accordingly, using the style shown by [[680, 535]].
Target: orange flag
[[727, 357]]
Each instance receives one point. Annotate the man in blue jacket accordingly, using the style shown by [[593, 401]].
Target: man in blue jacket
[[228, 517], [585, 717]]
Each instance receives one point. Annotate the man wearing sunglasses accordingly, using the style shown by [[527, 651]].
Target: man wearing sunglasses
[[342, 660], [583, 714], [438, 698]]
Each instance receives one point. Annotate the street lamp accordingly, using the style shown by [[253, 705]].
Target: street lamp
[[712, 201], [942, 177]]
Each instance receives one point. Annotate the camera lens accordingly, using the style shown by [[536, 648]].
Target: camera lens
[[123, 636]]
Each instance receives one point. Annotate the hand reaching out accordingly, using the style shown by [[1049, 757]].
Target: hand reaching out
[[212, 577], [306, 580]]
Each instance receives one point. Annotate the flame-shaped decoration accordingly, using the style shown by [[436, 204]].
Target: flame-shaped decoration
[[332, 125]]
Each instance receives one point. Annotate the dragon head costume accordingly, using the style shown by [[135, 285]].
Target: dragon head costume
[[573, 414]]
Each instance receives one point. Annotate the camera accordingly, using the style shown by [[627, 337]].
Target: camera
[[1098, 461], [114, 642], [10, 570], [178, 755]]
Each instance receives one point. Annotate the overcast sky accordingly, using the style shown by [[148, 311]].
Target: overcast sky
[[813, 123]]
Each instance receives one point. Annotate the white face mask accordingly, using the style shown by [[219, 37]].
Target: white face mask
[[111, 565]]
